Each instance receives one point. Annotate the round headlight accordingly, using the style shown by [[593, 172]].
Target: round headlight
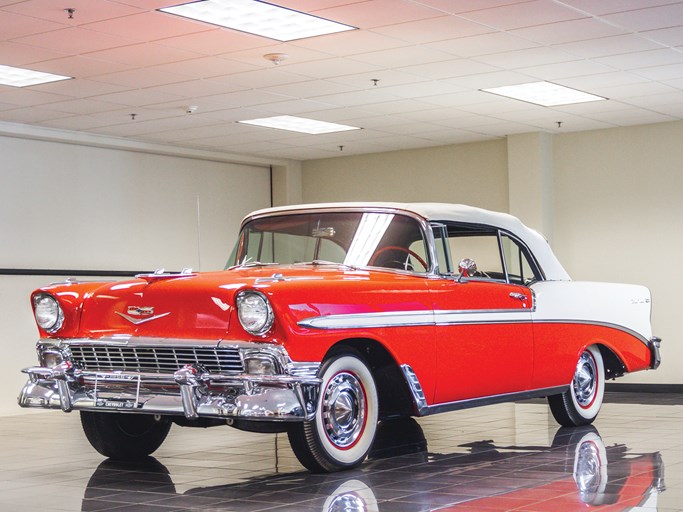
[[48, 313], [254, 312]]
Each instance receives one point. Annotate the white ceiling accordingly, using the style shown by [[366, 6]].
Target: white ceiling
[[431, 58]]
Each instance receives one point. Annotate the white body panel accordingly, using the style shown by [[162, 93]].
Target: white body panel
[[625, 305]]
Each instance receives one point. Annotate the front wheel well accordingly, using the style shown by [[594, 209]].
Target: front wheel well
[[395, 399]]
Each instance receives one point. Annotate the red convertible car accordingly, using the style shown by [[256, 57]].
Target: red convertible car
[[330, 318]]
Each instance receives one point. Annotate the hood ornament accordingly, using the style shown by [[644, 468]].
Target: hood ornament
[[161, 273], [140, 314]]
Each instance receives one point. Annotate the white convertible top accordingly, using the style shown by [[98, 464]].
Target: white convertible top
[[553, 269]]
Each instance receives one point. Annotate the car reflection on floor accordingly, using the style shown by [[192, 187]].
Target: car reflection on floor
[[576, 472]]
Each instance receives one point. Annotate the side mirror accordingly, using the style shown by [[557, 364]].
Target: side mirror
[[467, 268]]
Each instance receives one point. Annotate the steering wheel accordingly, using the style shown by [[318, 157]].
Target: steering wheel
[[402, 249]]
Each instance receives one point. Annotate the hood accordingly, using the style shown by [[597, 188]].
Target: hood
[[196, 305], [202, 306]]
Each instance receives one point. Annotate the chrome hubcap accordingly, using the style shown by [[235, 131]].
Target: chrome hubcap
[[585, 380], [587, 471], [343, 409]]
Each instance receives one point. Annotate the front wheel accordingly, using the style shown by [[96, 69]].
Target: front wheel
[[580, 404], [341, 434], [124, 436]]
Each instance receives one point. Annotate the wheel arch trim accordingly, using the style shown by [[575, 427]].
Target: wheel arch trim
[[383, 363]]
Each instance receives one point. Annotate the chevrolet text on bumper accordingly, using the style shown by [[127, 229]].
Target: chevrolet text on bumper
[[75, 378]]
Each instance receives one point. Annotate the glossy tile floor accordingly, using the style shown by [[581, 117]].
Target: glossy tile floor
[[502, 457]]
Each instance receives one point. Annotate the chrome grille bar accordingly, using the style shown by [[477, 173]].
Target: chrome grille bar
[[152, 359]]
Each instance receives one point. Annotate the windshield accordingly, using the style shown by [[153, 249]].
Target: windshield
[[355, 239]]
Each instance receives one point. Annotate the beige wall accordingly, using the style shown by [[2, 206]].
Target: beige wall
[[616, 212], [471, 173], [619, 217], [68, 206]]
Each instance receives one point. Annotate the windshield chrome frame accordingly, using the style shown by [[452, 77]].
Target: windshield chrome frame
[[425, 228]]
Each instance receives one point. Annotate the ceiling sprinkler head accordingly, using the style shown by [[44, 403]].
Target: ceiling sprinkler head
[[191, 109], [275, 58]]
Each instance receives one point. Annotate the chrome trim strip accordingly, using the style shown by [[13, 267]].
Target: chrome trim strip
[[425, 410], [608, 325], [491, 400], [303, 370], [38, 373], [161, 273], [142, 341], [473, 317], [138, 321], [444, 318], [416, 318], [276, 278], [368, 320], [415, 389]]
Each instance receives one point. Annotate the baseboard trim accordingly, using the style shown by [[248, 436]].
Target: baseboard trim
[[644, 388]]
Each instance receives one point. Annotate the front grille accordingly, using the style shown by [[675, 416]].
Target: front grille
[[155, 359]]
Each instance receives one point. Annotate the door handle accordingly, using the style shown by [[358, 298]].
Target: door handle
[[517, 295]]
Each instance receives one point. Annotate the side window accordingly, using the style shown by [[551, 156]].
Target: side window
[[498, 256], [520, 270], [443, 259], [483, 248]]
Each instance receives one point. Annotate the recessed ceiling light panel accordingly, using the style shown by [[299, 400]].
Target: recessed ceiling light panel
[[20, 77], [545, 94], [299, 124], [257, 17]]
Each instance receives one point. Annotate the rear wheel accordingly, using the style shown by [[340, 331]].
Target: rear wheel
[[580, 404], [342, 432], [124, 436]]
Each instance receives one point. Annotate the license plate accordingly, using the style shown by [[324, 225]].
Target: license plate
[[117, 404], [105, 396]]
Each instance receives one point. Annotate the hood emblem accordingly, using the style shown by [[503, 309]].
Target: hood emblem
[[140, 314], [141, 310]]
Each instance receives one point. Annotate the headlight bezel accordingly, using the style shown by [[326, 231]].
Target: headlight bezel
[[251, 301], [47, 312]]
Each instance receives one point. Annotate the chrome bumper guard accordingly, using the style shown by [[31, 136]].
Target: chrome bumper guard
[[191, 392], [655, 357]]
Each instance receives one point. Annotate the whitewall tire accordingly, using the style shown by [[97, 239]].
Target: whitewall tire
[[341, 434], [581, 403]]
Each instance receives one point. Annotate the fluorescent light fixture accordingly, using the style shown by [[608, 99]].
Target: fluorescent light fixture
[[257, 17], [19, 77], [545, 94], [299, 124]]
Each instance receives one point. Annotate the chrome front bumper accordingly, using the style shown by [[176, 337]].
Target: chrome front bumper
[[190, 391]]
